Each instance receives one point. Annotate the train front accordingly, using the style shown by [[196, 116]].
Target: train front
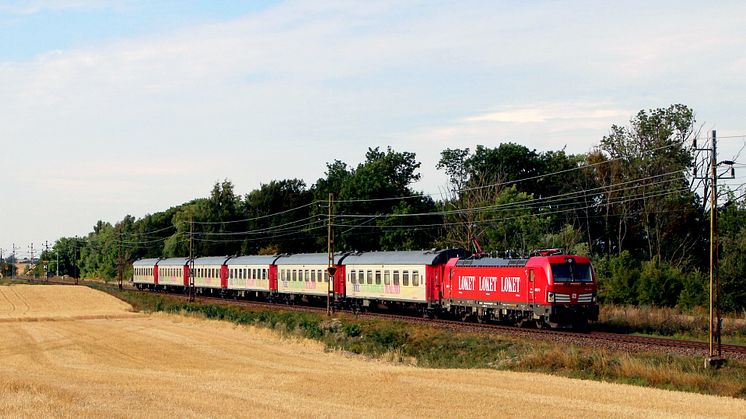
[[571, 292]]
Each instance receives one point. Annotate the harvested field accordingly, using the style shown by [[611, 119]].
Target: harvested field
[[161, 365], [58, 302]]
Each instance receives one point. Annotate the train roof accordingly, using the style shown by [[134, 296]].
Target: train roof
[[253, 260], [499, 262], [210, 260], [145, 262], [173, 262], [412, 257], [309, 259]]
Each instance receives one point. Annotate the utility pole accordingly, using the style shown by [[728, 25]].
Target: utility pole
[[120, 268], [331, 269], [13, 262], [58, 264], [31, 263], [75, 260], [191, 258], [46, 260], [715, 357]]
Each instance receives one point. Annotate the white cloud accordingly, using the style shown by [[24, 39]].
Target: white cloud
[[581, 113]]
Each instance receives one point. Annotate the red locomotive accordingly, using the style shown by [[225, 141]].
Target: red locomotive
[[549, 289]]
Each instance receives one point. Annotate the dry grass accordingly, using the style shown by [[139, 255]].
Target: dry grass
[[669, 322], [57, 302], [177, 366]]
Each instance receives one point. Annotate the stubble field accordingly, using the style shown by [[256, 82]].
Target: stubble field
[[73, 351]]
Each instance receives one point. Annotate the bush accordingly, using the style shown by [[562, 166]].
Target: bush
[[660, 284], [617, 279]]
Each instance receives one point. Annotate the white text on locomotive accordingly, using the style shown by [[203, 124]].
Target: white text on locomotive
[[510, 284]]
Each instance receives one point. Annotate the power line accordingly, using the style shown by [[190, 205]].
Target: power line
[[617, 202], [533, 201], [261, 217]]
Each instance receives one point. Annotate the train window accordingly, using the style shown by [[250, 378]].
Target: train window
[[321, 275], [307, 276], [282, 275], [313, 275], [396, 277], [416, 278], [387, 277], [369, 277], [378, 277], [405, 278], [295, 275], [264, 274]]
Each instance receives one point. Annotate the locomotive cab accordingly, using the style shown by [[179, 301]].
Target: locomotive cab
[[571, 291]]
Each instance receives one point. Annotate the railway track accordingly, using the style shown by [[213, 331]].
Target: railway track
[[594, 339]]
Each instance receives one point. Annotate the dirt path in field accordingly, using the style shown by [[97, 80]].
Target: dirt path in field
[[172, 366]]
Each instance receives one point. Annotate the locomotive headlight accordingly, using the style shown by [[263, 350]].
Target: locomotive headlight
[[595, 298], [550, 297]]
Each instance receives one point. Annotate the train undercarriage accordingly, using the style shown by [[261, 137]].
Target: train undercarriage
[[555, 316]]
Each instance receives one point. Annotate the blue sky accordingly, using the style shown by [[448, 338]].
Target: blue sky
[[30, 28], [130, 107]]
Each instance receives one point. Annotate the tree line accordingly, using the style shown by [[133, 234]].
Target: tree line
[[630, 203]]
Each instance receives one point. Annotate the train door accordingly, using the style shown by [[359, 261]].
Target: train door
[[531, 286]]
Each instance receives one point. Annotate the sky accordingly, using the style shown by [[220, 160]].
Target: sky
[[125, 107]]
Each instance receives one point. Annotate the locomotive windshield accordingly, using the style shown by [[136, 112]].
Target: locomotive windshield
[[572, 272]]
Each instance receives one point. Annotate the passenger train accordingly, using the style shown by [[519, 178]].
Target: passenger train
[[548, 288]]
